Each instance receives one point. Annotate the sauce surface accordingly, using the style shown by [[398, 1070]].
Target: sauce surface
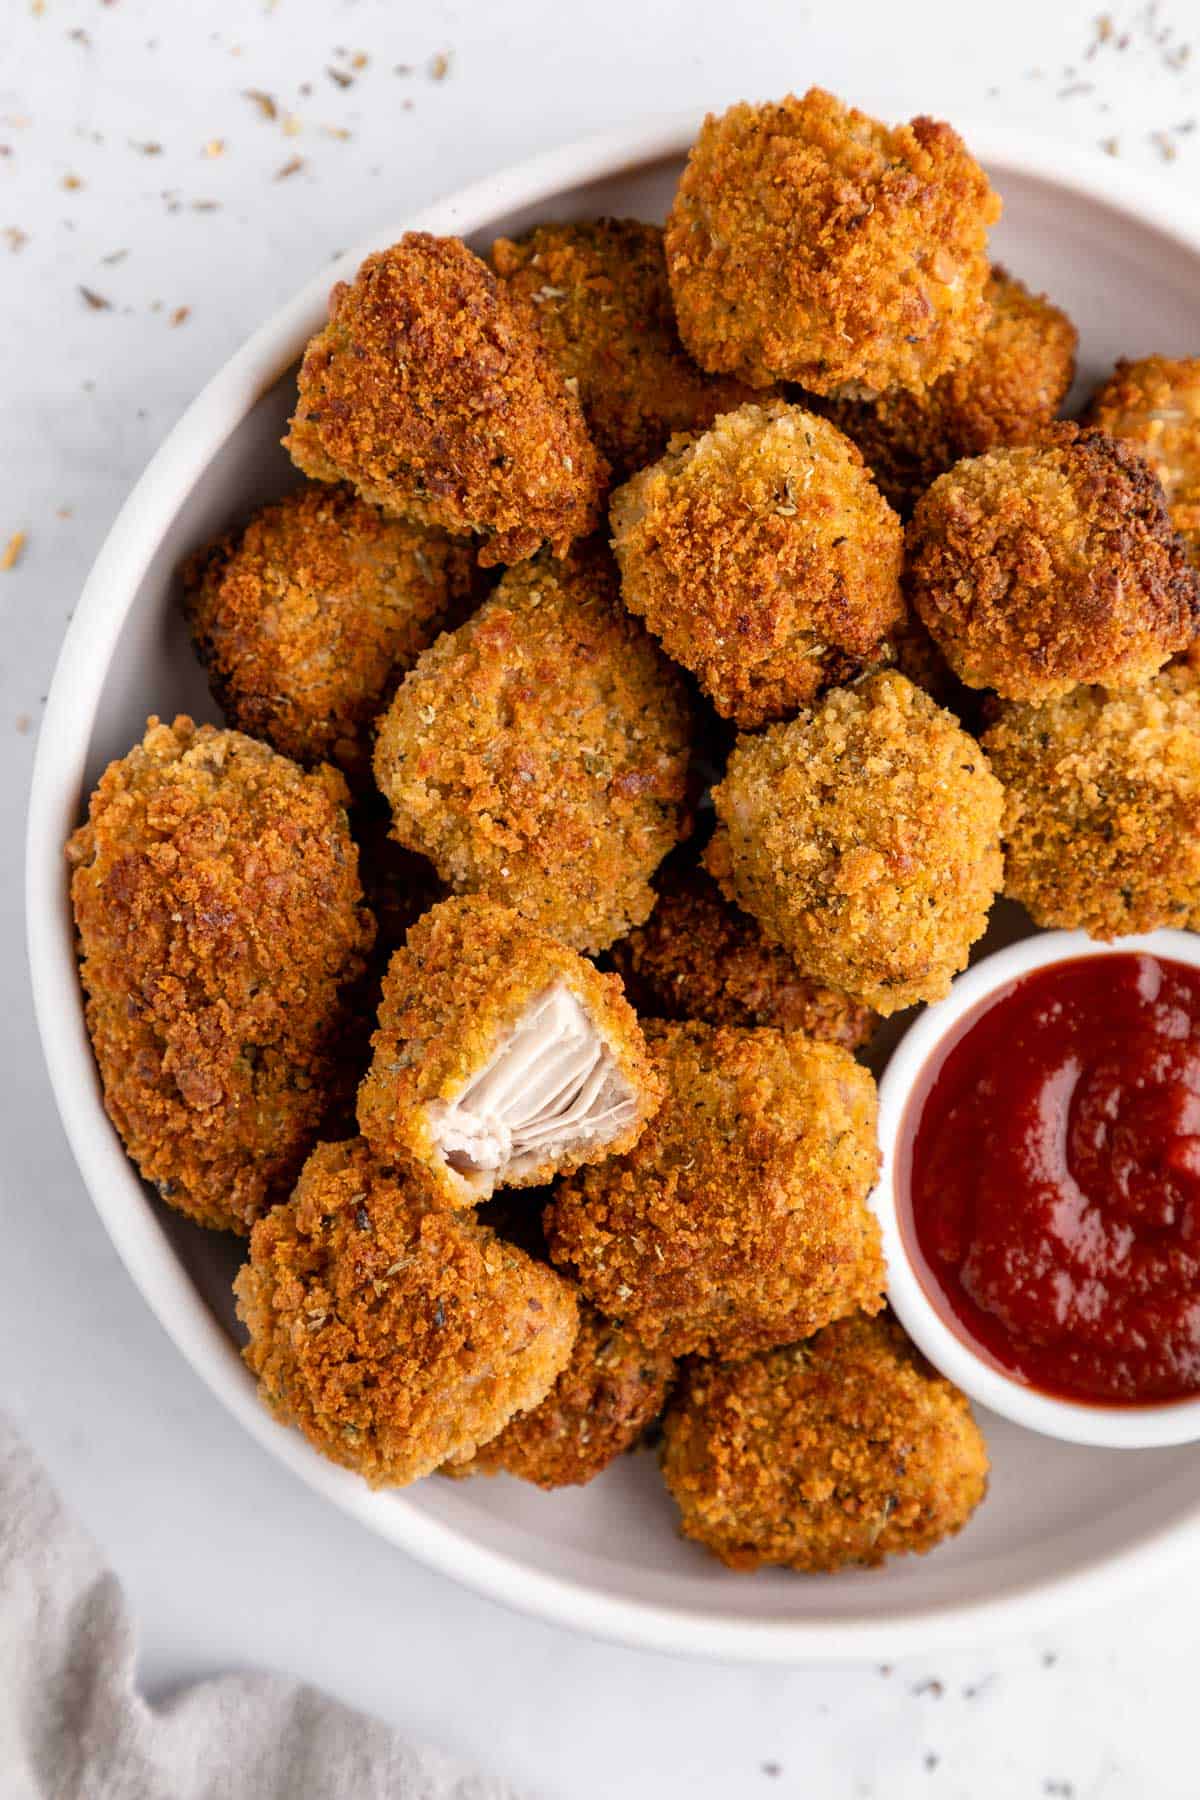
[[1049, 1179]]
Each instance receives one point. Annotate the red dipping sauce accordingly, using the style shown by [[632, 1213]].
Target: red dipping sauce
[[1049, 1179]]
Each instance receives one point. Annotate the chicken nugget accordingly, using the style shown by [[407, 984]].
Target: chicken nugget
[[395, 1334], [825, 1455], [435, 397], [739, 1219], [1155, 404]]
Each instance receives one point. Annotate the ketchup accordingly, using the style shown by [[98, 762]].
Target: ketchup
[[1050, 1179]]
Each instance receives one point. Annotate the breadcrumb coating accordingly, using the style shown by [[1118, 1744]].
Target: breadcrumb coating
[[434, 396], [539, 754], [307, 619], [1010, 385], [739, 1219], [221, 930], [392, 1332], [825, 1455], [603, 305], [611, 1390], [465, 977], [1155, 404], [1041, 567], [763, 556], [809, 242], [698, 957], [864, 836], [1102, 808]]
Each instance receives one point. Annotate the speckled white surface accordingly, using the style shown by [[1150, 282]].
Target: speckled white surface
[[137, 168]]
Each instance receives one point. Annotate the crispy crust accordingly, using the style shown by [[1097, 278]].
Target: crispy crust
[[763, 556], [433, 395], [821, 1456], [808, 242], [1040, 567], [221, 927], [1102, 809], [539, 754], [467, 972], [864, 836], [1155, 404], [392, 1332], [739, 1219], [602, 302], [698, 957], [613, 1387]]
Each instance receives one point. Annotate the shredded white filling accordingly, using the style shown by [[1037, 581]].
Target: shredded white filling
[[551, 1084]]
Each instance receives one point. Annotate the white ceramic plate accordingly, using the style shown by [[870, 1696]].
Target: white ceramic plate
[[1061, 1521]]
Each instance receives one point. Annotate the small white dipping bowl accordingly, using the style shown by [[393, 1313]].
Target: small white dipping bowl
[[949, 1346]]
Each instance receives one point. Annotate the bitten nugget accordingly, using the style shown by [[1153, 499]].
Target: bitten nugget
[[698, 957], [307, 619], [1010, 386], [613, 1387], [1155, 404], [502, 1058], [221, 927], [841, 1451], [763, 556], [864, 836], [539, 754], [1102, 810], [739, 1219], [394, 1333], [434, 396], [603, 304], [1041, 567], [808, 242]]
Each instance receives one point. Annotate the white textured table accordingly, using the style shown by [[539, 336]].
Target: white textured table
[[156, 210]]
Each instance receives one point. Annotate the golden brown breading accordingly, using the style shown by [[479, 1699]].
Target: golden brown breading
[[763, 556], [1102, 806], [603, 305], [434, 396], [820, 1456], [864, 836], [467, 987], [392, 1332], [221, 928], [307, 619], [613, 1387], [1041, 567], [808, 242], [739, 1219], [1155, 404], [539, 754], [1010, 386], [698, 957]]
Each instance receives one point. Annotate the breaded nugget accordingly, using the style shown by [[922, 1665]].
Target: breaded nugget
[[819, 1456], [1011, 385], [864, 836], [739, 1219], [698, 957], [221, 929], [613, 1387], [603, 305], [1155, 404], [502, 1058], [307, 619], [764, 557], [539, 754], [434, 396], [808, 242], [1102, 806], [392, 1332], [1040, 567]]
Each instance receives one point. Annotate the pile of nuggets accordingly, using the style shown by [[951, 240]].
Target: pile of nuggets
[[547, 1130]]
